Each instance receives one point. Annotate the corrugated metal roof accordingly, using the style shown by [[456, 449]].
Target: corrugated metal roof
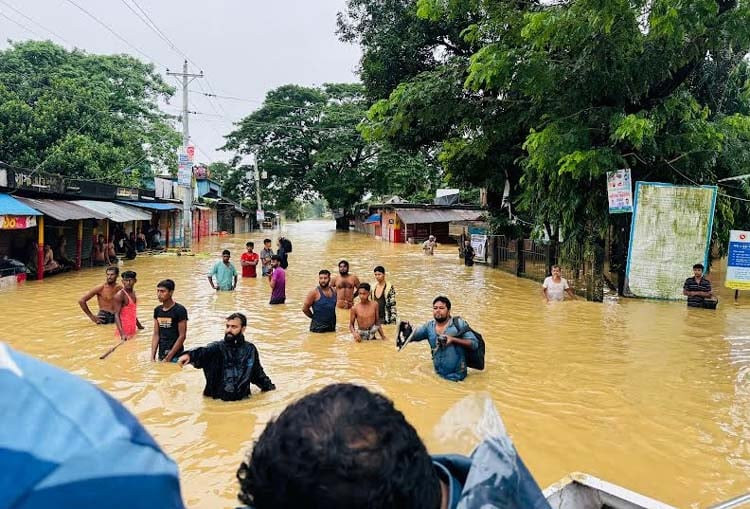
[[10, 206], [114, 211], [422, 216], [62, 210], [152, 205]]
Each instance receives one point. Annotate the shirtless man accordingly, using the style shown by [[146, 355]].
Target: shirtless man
[[365, 315], [99, 252], [345, 285], [126, 308], [105, 294]]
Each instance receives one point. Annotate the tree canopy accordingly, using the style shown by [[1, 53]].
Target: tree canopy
[[82, 115]]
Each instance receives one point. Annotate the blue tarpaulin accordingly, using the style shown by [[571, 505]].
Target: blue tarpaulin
[[152, 205], [66, 444], [375, 218], [9, 206]]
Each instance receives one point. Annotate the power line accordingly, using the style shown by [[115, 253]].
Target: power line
[[9, 6], [24, 27]]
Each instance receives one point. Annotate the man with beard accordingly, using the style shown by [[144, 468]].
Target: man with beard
[[320, 305], [105, 294], [230, 366], [345, 285], [447, 342]]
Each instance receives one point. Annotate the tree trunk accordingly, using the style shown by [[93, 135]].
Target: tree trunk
[[342, 223]]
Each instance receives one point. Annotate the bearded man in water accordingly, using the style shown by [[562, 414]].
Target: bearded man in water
[[345, 285]]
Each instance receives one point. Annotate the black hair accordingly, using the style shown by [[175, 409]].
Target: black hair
[[266, 241], [444, 300], [698, 266], [238, 316], [250, 244], [226, 252], [275, 258], [364, 286], [379, 268], [167, 284], [128, 274], [113, 268], [324, 271], [340, 447], [344, 262]]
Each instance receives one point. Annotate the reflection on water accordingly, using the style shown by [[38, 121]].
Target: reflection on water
[[649, 395]]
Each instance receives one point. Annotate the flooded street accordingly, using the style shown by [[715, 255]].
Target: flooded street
[[649, 395]]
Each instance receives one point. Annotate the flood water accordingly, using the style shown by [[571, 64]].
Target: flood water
[[649, 395]]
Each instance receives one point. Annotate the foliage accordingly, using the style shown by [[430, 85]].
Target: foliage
[[82, 115]]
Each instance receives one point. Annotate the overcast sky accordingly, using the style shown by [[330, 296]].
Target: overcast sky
[[244, 47]]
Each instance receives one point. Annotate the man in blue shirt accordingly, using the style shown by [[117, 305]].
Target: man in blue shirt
[[448, 340], [226, 274]]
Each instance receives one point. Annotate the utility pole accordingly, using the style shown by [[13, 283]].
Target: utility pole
[[257, 193], [187, 201]]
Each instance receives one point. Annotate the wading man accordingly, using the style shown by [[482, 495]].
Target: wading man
[[697, 288], [345, 285], [249, 261], [277, 280], [428, 246], [364, 321], [231, 365], [170, 324], [126, 308], [226, 274], [105, 294], [385, 295], [265, 257], [555, 287], [320, 305]]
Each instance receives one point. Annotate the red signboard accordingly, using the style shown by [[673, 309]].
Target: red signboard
[[17, 222]]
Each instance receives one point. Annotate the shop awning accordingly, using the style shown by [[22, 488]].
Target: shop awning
[[151, 205], [424, 216], [114, 211], [375, 218], [62, 210], [12, 206]]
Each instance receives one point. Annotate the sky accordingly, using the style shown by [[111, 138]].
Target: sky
[[245, 48]]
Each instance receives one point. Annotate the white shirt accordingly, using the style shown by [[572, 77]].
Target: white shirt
[[555, 291]]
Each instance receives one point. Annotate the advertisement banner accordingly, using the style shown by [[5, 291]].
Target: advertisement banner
[[620, 191], [479, 243], [738, 261], [17, 222]]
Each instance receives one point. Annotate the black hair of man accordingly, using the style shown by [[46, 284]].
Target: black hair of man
[[364, 286], [226, 252], [324, 272], [380, 269], [343, 262], [275, 258], [128, 274], [167, 284], [238, 316], [266, 241], [698, 266], [444, 300], [113, 268], [352, 449], [250, 244]]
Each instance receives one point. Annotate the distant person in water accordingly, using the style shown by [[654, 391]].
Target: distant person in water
[[265, 257], [231, 365], [105, 294], [697, 289], [384, 295], [126, 308], [468, 253], [345, 285], [428, 246], [277, 281], [249, 261], [225, 273], [320, 305], [99, 252], [364, 323], [555, 286]]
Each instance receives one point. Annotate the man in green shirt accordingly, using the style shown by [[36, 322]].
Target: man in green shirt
[[226, 274]]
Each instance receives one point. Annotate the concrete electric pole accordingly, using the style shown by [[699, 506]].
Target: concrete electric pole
[[187, 202]]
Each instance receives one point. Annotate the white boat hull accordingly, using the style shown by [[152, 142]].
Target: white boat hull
[[583, 491]]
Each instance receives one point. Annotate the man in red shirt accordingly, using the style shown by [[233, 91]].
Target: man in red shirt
[[249, 261]]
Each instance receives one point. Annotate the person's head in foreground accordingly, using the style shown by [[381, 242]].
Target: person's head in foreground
[[341, 447]]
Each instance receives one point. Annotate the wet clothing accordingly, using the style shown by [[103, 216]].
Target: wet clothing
[[168, 327], [468, 255], [555, 291], [704, 285], [449, 360], [106, 317], [278, 294], [225, 274], [230, 369], [386, 304], [128, 317], [249, 270], [324, 312], [368, 334], [284, 257], [266, 254]]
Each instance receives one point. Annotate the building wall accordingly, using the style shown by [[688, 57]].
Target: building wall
[[392, 227]]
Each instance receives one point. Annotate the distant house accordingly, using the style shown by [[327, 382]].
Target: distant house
[[407, 222]]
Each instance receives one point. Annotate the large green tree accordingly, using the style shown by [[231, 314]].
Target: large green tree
[[551, 95], [83, 115]]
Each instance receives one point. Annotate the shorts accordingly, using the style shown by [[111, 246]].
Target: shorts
[[106, 317], [368, 334], [278, 301], [322, 327]]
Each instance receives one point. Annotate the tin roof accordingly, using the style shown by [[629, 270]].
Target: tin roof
[[114, 211], [62, 210], [423, 216]]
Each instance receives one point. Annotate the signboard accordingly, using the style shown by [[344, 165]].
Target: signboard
[[670, 232], [738, 261], [127, 193], [479, 243], [184, 160], [260, 215], [35, 182], [191, 152], [17, 222], [185, 176], [619, 191]]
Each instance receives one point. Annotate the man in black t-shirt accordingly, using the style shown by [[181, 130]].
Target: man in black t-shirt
[[170, 324]]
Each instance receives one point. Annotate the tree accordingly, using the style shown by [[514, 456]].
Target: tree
[[82, 115]]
